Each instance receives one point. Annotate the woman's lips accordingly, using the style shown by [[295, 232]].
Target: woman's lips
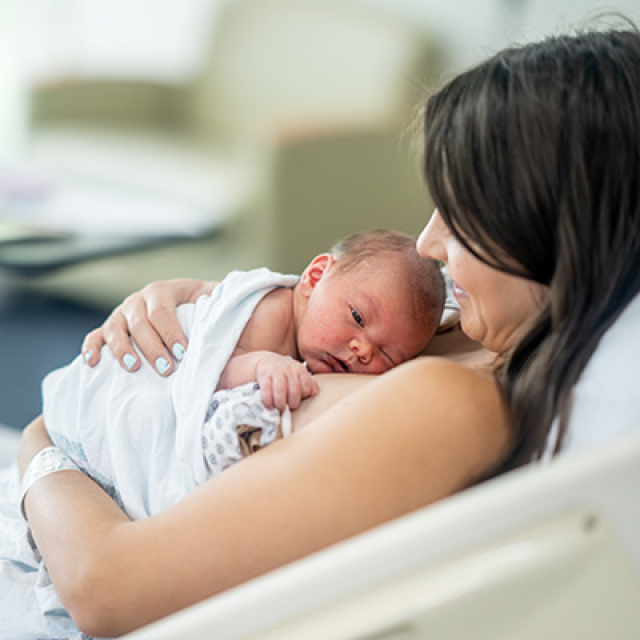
[[458, 291]]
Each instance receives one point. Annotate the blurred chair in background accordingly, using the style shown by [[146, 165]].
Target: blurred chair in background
[[292, 135]]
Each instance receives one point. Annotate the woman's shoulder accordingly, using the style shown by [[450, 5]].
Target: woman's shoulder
[[468, 397], [450, 376], [449, 410]]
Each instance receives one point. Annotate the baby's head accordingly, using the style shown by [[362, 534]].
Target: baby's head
[[369, 304]]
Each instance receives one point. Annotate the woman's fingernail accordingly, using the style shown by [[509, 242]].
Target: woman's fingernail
[[86, 356], [129, 360], [178, 351], [162, 365]]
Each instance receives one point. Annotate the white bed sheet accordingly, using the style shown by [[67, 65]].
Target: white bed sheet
[[9, 439]]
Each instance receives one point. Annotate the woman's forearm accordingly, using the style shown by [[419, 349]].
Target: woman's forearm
[[34, 438], [72, 521]]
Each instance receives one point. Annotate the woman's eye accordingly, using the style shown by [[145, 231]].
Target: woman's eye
[[357, 317]]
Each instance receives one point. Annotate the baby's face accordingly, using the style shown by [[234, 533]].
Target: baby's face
[[359, 321]]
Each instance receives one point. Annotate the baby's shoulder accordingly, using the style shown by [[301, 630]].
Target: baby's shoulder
[[271, 322], [276, 307]]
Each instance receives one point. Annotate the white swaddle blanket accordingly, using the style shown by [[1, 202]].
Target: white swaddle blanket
[[139, 435]]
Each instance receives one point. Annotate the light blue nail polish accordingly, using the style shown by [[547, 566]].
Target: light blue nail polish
[[129, 360], [162, 365], [86, 356], [178, 351]]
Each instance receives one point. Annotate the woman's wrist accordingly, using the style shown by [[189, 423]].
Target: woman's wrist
[[47, 461]]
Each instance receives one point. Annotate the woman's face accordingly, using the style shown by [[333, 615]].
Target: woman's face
[[496, 308]]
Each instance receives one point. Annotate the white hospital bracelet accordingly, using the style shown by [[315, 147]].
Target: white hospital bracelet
[[285, 422], [47, 461]]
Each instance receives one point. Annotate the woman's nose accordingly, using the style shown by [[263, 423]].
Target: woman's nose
[[429, 243]]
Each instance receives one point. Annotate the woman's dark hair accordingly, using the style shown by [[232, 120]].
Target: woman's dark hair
[[533, 160]]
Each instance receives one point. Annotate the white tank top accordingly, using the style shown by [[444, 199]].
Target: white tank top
[[606, 399]]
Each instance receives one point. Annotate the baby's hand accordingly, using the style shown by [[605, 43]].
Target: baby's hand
[[284, 381]]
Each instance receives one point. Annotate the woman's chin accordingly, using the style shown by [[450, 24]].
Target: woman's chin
[[472, 331]]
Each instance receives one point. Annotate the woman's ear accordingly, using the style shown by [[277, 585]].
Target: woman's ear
[[317, 269]]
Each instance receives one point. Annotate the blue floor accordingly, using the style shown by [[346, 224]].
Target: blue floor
[[38, 333]]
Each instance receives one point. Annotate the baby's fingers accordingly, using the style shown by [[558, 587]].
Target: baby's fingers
[[293, 396], [280, 391], [266, 391], [309, 385], [301, 387], [286, 384]]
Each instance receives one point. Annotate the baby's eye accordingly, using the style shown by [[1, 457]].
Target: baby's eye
[[357, 317]]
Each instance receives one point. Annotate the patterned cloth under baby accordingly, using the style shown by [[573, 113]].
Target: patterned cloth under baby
[[238, 424]]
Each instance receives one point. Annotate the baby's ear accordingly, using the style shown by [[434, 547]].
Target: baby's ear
[[317, 269]]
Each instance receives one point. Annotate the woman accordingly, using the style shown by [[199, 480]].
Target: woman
[[533, 160]]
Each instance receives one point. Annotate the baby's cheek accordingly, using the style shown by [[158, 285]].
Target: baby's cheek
[[378, 366], [317, 336]]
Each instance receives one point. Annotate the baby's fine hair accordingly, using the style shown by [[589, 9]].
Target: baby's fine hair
[[420, 276]]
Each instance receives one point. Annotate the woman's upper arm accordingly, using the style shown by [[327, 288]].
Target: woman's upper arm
[[406, 439]]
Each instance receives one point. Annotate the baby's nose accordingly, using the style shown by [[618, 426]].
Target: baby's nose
[[363, 349]]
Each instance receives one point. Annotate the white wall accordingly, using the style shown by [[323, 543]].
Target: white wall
[[163, 40], [473, 29], [166, 39]]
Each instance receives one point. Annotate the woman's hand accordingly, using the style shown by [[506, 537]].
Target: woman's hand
[[148, 317], [34, 439]]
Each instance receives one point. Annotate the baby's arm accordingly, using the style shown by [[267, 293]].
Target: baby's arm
[[283, 380]]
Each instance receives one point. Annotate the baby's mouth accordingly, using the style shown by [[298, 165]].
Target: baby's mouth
[[337, 365]]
